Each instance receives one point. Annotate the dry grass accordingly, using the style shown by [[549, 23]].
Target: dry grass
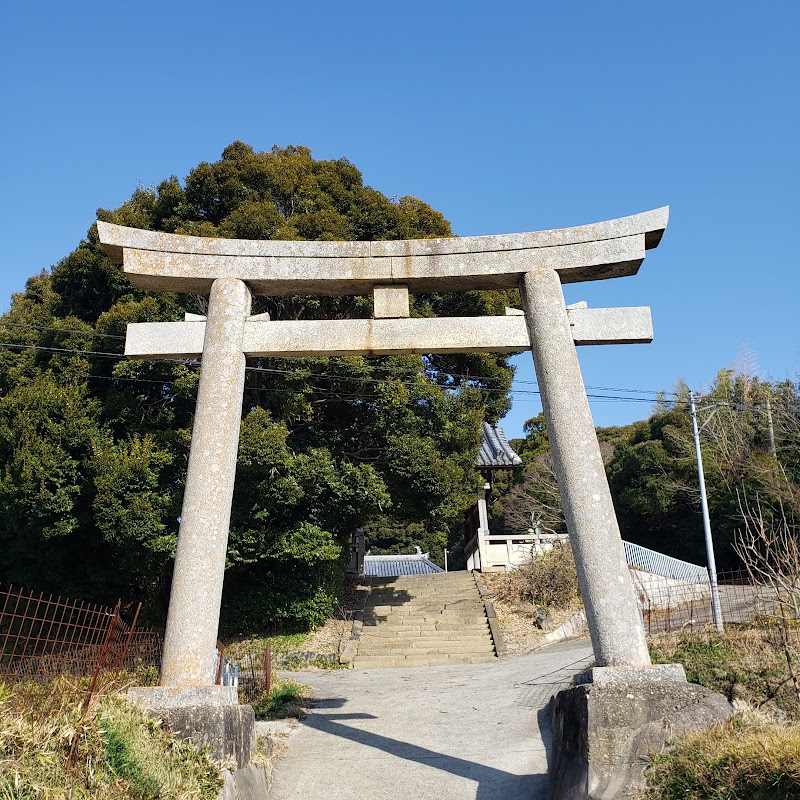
[[754, 756], [535, 598], [121, 752], [748, 665], [547, 581], [331, 637], [747, 758], [518, 622]]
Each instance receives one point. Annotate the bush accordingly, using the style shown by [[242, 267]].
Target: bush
[[296, 600], [549, 580], [285, 699]]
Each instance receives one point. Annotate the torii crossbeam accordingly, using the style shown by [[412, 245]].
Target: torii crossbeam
[[538, 263]]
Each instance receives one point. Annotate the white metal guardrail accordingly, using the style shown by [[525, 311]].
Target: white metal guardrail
[[659, 564]]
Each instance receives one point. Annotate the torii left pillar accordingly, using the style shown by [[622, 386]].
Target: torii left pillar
[[191, 636]]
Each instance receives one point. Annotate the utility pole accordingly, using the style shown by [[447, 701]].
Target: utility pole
[[771, 430], [712, 566]]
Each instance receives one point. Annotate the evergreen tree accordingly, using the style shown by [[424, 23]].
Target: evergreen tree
[[93, 448]]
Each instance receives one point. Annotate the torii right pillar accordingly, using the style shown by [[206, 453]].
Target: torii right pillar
[[612, 612]]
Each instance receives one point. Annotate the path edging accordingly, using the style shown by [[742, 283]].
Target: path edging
[[351, 648], [491, 616]]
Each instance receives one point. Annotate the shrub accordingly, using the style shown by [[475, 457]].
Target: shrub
[[285, 699], [548, 580], [296, 600]]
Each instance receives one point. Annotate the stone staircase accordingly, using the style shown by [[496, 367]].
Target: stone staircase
[[424, 620]]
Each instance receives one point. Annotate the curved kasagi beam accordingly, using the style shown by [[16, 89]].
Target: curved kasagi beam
[[177, 263]]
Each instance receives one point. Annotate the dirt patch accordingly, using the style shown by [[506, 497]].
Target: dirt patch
[[520, 629], [335, 633]]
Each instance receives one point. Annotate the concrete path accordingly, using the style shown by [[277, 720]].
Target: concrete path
[[466, 732]]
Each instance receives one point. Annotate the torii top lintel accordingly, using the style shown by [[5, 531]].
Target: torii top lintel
[[170, 262]]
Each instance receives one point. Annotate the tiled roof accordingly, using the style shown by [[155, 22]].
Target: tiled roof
[[495, 451], [393, 566]]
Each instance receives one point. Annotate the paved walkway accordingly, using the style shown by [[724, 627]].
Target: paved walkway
[[466, 732]]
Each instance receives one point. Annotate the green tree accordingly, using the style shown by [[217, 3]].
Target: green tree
[[327, 444], [652, 469]]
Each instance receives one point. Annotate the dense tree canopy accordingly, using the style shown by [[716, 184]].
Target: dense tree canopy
[[93, 448]]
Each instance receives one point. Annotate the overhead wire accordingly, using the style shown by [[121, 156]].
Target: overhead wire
[[321, 375], [659, 394]]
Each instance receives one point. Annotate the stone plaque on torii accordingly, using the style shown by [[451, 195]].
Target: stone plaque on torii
[[538, 263]]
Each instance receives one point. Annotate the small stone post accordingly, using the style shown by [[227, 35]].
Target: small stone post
[[608, 596], [193, 620]]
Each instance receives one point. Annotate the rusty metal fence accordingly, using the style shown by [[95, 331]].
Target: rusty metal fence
[[42, 637]]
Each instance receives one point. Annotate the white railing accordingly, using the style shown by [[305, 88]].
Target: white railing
[[659, 564]]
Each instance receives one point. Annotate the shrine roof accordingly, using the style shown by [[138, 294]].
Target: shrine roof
[[393, 566], [495, 451]]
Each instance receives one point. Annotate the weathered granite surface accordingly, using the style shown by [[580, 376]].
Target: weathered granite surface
[[382, 336], [193, 620], [170, 262], [605, 735], [612, 612]]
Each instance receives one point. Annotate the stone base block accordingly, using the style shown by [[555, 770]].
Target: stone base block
[[182, 696], [626, 676], [250, 783], [205, 716], [605, 733]]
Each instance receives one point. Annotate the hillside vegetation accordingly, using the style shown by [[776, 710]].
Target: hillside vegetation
[[93, 448], [652, 469]]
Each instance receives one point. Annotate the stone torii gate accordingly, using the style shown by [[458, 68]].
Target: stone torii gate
[[538, 263]]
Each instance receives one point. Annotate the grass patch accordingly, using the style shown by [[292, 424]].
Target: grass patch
[[256, 645], [121, 753], [746, 758], [745, 664], [286, 699], [756, 754]]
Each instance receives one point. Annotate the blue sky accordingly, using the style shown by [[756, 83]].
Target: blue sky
[[512, 117]]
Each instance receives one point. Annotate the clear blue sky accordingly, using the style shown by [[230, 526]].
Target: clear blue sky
[[506, 117]]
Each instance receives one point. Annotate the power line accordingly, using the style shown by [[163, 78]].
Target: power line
[[321, 375], [463, 376], [60, 330]]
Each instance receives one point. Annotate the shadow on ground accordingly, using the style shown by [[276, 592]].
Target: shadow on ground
[[492, 783]]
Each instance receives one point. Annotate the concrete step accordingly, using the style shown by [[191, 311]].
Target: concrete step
[[470, 605], [427, 648], [428, 624], [422, 602], [376, 598], [424, 619], [381, 635], [381, 662]]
